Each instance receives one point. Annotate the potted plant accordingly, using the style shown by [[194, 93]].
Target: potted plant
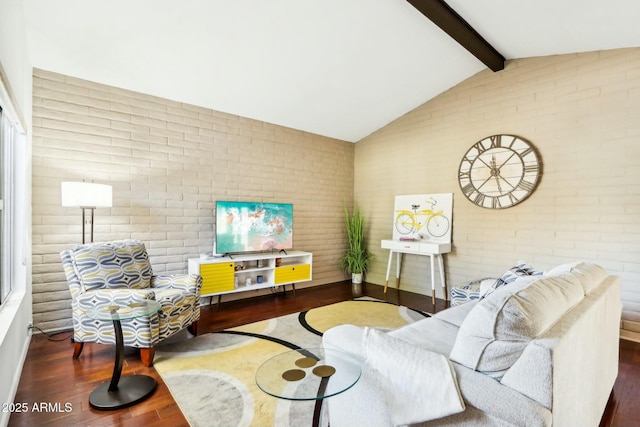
[[355, 260]]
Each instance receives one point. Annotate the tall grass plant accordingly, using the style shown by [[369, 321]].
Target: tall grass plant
[[356, 259]]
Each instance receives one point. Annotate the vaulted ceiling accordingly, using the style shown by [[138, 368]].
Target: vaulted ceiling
[[339, 68]]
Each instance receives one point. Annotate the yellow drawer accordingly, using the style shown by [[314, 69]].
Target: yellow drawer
[[217, 277], [293, 273]]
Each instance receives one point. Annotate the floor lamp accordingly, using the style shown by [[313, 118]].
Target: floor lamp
[[86, 196]]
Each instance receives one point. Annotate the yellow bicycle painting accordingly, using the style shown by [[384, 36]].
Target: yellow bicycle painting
[[414, 221]]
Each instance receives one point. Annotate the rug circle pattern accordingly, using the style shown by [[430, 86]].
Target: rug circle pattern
[[212, 376]]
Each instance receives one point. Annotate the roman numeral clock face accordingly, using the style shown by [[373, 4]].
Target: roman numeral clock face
[[499, 171]]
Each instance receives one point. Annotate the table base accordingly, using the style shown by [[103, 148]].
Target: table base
[[131, 390]]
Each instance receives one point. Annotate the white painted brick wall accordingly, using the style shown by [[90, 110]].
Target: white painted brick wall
[[581, 111], [168, 163]]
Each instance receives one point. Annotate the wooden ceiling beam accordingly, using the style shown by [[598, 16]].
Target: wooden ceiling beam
[[453, 24]]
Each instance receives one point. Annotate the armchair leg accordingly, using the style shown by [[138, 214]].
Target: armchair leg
[[193, 328], [147, 354], [77, 349]]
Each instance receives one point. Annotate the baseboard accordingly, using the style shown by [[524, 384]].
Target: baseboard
[[630, 330], [630, 335], [15, 382]]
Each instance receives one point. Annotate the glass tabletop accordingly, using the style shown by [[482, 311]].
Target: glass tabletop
[[308, 374], [113, 311]]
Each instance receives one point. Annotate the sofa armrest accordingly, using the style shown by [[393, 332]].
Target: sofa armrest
[[92, 299], [345, 338], [190, 283]]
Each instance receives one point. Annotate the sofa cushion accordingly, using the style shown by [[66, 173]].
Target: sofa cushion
[[562, 268], [590, 275], [112, 265], [498, 328], [456, 315]]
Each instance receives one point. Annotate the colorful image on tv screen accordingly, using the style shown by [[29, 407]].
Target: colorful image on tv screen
[[253, 226]]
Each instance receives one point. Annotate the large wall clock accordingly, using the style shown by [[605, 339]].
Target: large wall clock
[[499, 171]]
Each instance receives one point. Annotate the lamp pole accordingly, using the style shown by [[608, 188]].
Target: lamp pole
[[86, 195], [84, 221]]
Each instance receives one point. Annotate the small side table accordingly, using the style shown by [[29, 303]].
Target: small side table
[[131, 389], [430, 249]]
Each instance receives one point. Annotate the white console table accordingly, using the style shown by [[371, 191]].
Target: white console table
[[433, 250]]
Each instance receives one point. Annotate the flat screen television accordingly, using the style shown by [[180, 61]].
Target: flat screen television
[[253, 227]]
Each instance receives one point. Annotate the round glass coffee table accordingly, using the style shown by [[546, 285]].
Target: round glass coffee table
[[130, 389], [308, 374]]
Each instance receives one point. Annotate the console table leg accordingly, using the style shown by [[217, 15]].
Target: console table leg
[[433, 282], [398, 264], [444, 284], [386, 283]]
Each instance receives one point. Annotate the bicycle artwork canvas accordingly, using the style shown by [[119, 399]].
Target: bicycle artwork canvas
[[426, 217]]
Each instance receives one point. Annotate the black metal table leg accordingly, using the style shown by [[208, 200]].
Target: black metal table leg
[[317, 409], [125, 391]]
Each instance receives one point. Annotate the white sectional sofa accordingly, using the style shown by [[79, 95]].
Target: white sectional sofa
[[541, 351]]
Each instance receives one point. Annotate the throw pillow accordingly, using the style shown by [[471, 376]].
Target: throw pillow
[[499, 327], [510, 276], [470, 291]]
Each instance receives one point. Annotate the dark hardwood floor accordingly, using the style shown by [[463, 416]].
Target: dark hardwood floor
[[54, 388]]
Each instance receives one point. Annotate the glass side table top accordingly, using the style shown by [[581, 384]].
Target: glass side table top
[[308, 374], [112, 311]]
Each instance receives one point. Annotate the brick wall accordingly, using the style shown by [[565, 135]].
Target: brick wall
[[168, 163], [581, 111]]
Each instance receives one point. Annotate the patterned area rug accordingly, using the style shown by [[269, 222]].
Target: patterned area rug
[[212, 376]]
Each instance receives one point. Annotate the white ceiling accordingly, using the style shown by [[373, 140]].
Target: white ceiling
[[339, 68]]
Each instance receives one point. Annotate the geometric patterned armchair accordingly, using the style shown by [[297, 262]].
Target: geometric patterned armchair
[[119, 272]]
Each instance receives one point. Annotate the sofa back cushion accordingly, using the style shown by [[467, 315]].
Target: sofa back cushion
[[590, 275], [499, 327], [112, 265]]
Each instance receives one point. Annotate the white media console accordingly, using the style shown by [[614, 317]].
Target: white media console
[[239, 273]]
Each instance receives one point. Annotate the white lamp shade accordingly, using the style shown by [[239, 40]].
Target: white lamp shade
[[86, 195]]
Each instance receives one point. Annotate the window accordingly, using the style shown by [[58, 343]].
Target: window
[[5, 264], [15, 169], [10, 137]]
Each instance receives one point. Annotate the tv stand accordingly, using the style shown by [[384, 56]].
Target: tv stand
[[221, 276]]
